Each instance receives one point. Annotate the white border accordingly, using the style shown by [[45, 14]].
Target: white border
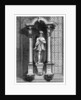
[[45, 88]]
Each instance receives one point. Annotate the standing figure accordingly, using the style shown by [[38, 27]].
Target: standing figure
[[40, 48]]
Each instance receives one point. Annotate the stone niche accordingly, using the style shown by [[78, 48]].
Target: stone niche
[[28, 29]]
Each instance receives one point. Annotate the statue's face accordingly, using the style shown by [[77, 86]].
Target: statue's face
[[41, 35]]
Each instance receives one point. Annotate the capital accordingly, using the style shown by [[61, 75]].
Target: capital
[[30, 32]]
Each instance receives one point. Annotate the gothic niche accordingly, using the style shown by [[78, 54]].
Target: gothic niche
[[39, 33]]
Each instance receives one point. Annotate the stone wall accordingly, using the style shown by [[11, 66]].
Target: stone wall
[[57, 45]]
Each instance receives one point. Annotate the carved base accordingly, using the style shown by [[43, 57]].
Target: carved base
[[48, 75], [40, 68], [29, 76], [49, 69], [30, 69]]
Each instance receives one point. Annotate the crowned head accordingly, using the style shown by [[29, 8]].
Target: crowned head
[[41, 33]]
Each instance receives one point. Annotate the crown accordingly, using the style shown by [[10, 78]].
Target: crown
[[41, 32]]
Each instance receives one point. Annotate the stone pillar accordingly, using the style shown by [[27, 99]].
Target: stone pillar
[[49, 53], [49, 73], [30, 65], [29, 76], [49, 65], [30, 51]]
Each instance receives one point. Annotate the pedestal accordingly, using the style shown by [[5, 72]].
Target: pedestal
[[40, 68], [30, 69], [49, 69], [29, 76]]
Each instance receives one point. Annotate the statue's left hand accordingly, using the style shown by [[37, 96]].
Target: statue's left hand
[[40, 41]]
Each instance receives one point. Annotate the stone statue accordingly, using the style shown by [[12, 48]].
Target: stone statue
[[40, 46]]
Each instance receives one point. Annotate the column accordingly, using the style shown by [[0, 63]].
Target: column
[[30, 65], [49, 65], [49, 55], [30, 50], [49, 73]]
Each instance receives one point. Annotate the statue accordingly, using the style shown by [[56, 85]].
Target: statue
[[40, 50], [39, 45]]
